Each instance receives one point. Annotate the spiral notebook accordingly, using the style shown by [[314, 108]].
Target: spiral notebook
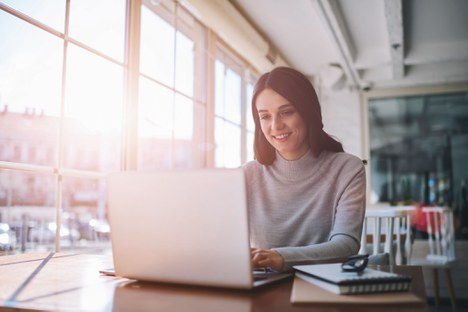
[[332, 278], [303, 293]]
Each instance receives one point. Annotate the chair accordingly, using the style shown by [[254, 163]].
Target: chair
[[391, 233], [439, 252]]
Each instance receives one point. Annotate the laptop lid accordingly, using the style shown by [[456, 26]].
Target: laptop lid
[[181, 226]]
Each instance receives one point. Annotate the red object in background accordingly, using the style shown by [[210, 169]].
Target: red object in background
[[419, 220]]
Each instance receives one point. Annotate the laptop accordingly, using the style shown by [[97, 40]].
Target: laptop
[[183, 226]]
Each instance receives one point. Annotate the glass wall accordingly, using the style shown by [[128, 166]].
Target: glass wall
[[418, 149], [88, 86]]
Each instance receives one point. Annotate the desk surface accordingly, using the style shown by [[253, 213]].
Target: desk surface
[[71, 282]]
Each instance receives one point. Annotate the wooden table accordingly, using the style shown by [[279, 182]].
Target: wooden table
[[71, 282]]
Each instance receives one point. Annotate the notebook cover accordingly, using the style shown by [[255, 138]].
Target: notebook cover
[[333, 273]]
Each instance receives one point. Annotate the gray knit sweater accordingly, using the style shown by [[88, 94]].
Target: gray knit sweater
[[310, 209]]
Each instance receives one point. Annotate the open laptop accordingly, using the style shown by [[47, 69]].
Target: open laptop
[[182, 226]]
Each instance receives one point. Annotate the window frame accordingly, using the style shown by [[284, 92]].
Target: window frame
[[206, 46], [230, 58]]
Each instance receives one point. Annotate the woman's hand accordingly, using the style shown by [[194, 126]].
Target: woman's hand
[[267, 258]]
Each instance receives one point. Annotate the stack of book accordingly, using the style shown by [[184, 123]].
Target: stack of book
[[332, 278]]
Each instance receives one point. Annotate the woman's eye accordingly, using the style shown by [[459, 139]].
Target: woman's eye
[[287, 113], [264, 117]]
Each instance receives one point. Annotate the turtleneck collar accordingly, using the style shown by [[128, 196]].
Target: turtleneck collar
[[293, 170]]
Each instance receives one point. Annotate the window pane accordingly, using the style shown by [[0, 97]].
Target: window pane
[[156, 47], [99, 24], [183, 132], [30, 85], [26, 210], [250, 124], [155, 110], [154, 125], [184, 64], [228, 107], [49, 12], [219, 147], [93, 109], [183, 118], [233, 100], [228, 91], [84, 217], [199, 143], [219, 89], [227, 144]]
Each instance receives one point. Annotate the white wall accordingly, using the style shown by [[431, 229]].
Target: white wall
[[341, 113]]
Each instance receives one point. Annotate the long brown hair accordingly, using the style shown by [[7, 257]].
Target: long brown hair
[[297, 89]]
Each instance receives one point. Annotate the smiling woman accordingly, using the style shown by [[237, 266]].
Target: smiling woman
[[306, 197], [282, 125]]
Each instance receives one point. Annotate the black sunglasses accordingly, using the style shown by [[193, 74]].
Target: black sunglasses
[[355, 263]]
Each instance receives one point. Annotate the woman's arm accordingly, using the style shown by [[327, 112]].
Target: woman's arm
[[344, 238]]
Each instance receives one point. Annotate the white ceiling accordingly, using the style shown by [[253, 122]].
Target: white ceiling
[[377, 43]]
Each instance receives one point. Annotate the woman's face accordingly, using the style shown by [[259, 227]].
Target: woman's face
[[282, 125]]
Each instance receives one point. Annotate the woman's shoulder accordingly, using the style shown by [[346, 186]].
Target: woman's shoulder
[[251, 166], [347, 157], [252, 171], [345, 160], [344, 167]]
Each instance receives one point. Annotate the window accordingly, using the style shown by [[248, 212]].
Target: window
[[171, 111], [28, 118], [85, 92], [233, 117], [419, 147], [61, 99], [249, 124]]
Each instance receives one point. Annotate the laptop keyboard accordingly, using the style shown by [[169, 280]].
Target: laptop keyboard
[[263, 273]]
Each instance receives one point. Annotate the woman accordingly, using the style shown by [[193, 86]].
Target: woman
[[306, 196]]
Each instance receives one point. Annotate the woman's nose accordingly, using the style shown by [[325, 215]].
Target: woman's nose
[[277, 123]]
